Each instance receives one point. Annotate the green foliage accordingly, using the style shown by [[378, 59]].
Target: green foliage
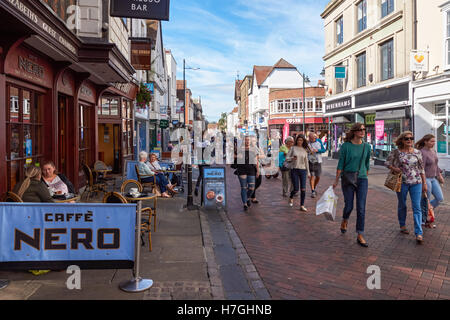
[[144, 96]]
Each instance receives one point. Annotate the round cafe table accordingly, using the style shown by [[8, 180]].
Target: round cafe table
[[137, 284], [75, 198]]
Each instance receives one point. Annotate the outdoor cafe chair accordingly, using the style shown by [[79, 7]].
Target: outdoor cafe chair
[[100, 172], [146, 222], [125, 188], [11, 197], [151, 185], [92, 186]]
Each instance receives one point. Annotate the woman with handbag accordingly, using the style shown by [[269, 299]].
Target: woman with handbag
[[298, 156], [284, 166], [408, 161], [353, 168], [433, 173]]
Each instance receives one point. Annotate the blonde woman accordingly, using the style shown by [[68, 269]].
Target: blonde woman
[[409, 162], [32, 189]]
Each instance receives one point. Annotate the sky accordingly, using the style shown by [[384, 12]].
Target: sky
[[225, 38]]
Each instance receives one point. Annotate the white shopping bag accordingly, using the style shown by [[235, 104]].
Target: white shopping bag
[[327, 204]]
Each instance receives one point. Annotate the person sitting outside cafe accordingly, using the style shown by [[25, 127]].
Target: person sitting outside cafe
[[158, 179], [57, 183], [32, 189]]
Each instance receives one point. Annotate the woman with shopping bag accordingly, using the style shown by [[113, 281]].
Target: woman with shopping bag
[[353, 169], [408, 161]]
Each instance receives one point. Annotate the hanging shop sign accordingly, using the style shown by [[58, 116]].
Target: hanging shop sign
[[163, 124], [419, 61], [141, 9], [141, 54]]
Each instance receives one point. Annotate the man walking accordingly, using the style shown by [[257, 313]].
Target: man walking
[[315, 161]]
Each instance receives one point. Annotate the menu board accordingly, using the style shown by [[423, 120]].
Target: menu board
[[214, 188]]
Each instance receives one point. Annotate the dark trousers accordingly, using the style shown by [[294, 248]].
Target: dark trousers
[[257, 185], [298, 177], [361, 196], [158, 179]]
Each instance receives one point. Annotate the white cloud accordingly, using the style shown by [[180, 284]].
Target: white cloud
[[257, 32]]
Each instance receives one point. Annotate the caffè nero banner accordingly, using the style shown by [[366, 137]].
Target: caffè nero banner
[[141, 9]]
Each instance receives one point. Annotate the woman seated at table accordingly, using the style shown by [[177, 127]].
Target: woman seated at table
[[156, 167], [32, 189], [56, 182], [158, 179]]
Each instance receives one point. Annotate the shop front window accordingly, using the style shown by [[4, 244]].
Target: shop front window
[[23, 132], [442, 124], [85, 136]]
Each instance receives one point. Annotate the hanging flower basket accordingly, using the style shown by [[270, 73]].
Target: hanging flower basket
[[144, 96]]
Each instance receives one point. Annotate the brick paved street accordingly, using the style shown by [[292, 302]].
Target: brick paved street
[[304, 256]]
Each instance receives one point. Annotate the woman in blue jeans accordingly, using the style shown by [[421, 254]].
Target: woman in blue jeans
[[247, 168], [354, 156], [408, 161], [432, 172]]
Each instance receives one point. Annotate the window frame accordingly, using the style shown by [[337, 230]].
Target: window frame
[[339, 36], [390, 7], [359, 82], [446, 119], [390, 57], [361, 24], [447, 38]]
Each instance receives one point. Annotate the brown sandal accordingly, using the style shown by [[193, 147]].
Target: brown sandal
[[404, 230]]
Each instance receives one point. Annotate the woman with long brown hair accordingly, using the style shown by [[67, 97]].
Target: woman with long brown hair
[[433, 173], [353, 166], [409, 162], [32, 189], [298, 155]]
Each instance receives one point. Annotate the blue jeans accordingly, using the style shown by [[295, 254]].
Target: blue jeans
[[361, 196], [247, 187], [434, 188], [415, 192], [158, 179], [298, 177]]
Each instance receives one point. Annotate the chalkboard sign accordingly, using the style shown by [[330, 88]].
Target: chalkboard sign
[[141, 9], [214, 188]]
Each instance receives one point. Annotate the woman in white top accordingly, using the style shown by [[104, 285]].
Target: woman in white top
[[298, 157], [154, 165]]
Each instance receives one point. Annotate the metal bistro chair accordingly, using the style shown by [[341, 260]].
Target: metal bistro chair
[[91, 184], [100, 176], [125, 188], [151, 185], [11, 197], [146, 223]]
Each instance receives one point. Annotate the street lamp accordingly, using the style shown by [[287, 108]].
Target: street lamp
[[304, 106], [190, 199]]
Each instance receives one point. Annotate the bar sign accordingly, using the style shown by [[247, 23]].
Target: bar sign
[[141, 9]]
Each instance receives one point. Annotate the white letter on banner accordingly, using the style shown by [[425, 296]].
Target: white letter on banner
[[374, 281], [74, 281]]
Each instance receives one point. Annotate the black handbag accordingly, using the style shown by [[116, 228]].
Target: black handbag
[[350, 178]]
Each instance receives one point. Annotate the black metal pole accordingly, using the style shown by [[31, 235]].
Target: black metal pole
[[190, 198]]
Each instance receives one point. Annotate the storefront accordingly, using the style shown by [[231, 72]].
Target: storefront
[[51, 88], [141, 128], [432, 114], [294, 126]]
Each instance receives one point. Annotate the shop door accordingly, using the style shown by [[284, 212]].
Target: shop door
[[62, 133], [116, 148]]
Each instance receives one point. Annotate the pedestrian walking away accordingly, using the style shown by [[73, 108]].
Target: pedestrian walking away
[[285, 171], [315, 161], [245, 163], [298, 155], [254, 144], [353, 169], [433, 175], [409, 162]]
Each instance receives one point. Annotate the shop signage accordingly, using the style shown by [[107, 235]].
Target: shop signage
[[47, 236], [379, 129], [141, 54], [150, 86], [398, 93], [31, 67], [340, 72], [34, 18], [339, 105], [214, 188], [419, 61], [370, 119], [163, 124], [141, 9]]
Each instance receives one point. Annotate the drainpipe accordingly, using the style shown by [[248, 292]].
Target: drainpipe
[[413, 122]]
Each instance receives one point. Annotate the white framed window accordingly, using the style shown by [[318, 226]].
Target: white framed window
[[294, 106], [447, 39], [361, 70], [287, 105], [387, 60], [362, 15], [280, 106], [319, 107], [309, 105], [340, 30], [387, 7]]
